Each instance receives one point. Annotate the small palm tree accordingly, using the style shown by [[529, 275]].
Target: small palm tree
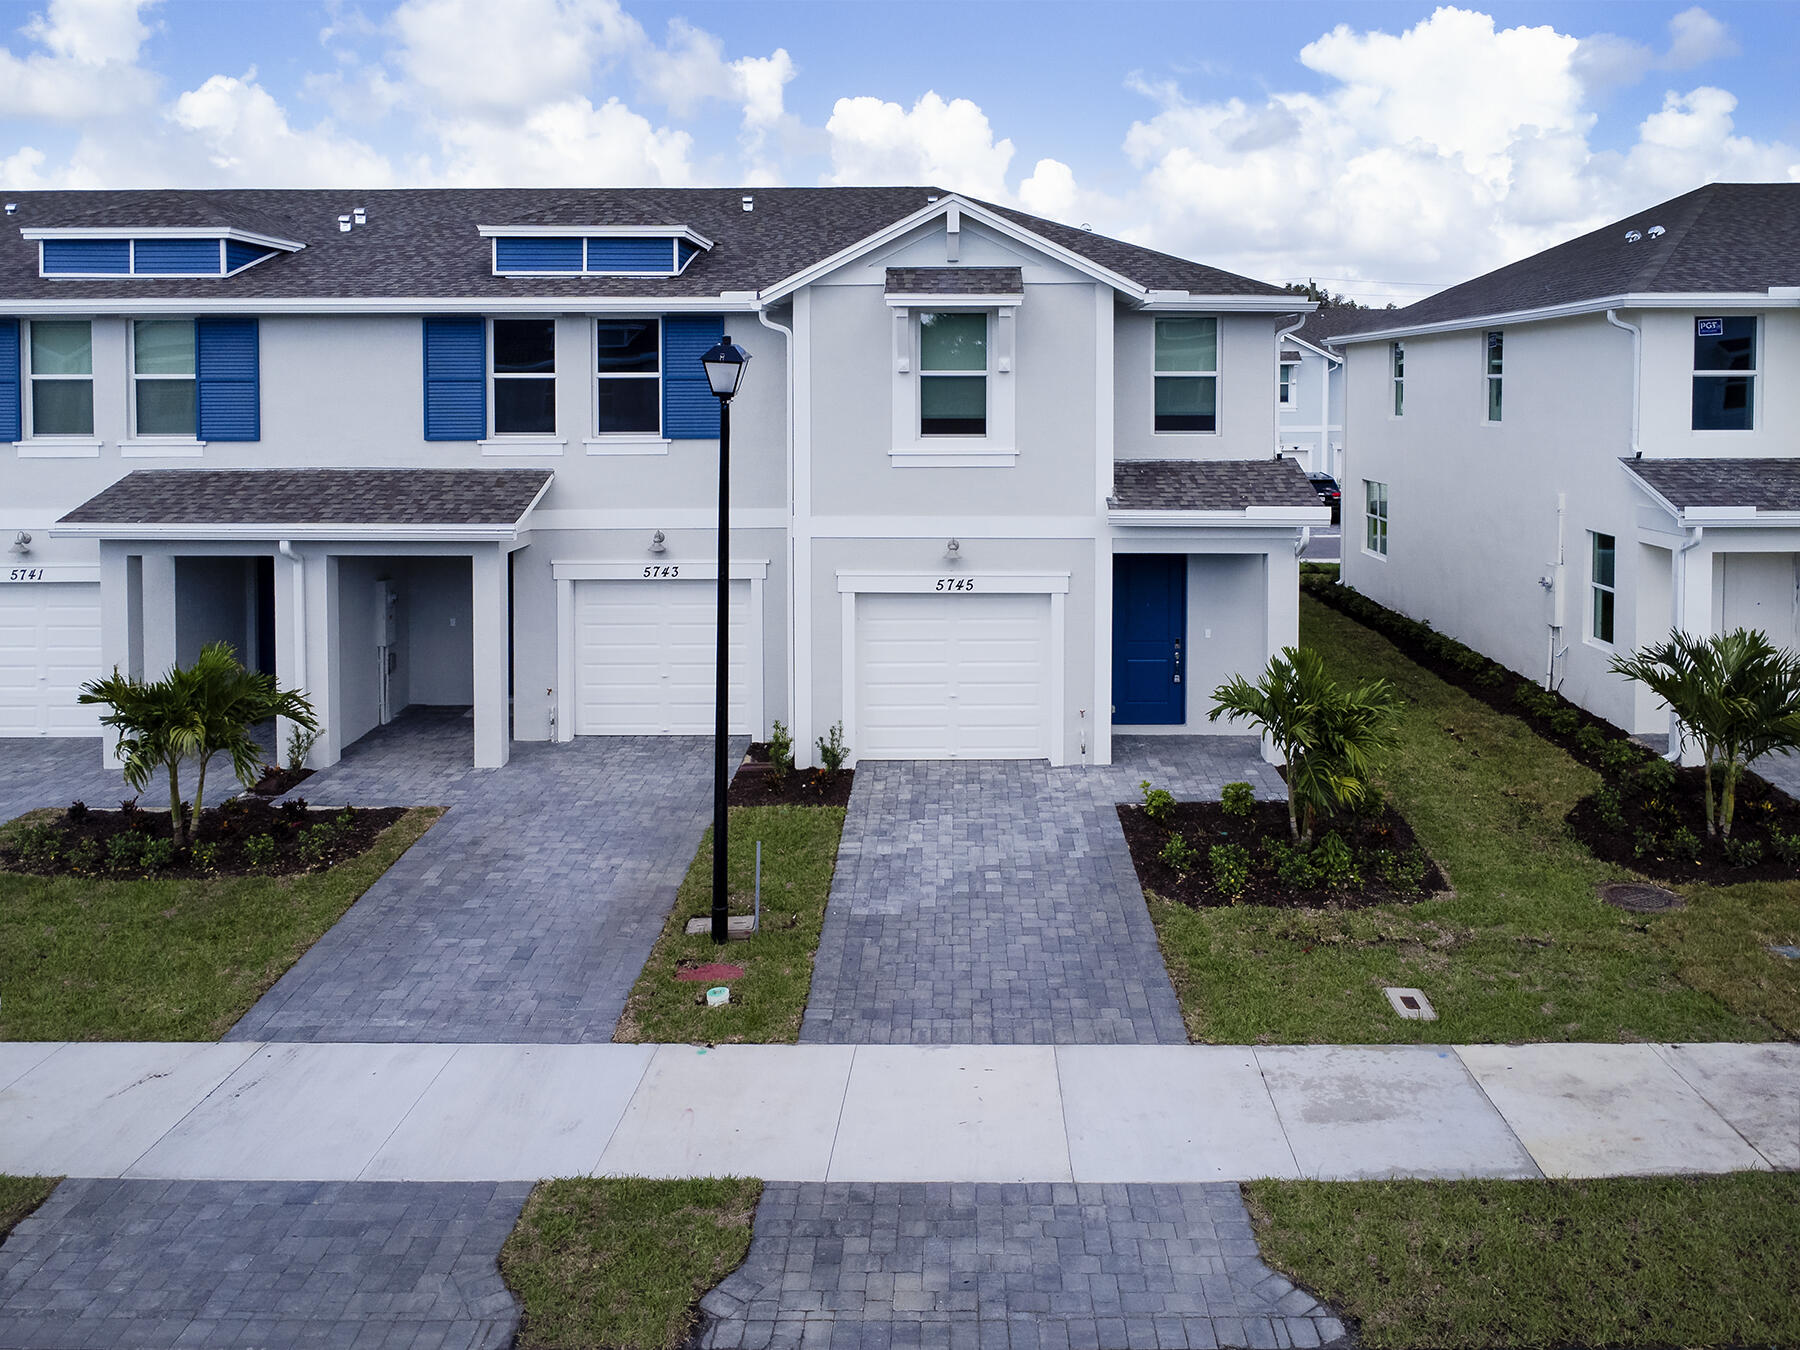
[[1735, 695], [205, 710], [1331, 738]]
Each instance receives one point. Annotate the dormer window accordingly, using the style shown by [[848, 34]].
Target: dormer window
[[79, 253], [593, 250]]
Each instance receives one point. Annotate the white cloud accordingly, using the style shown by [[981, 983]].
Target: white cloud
[[245, 136], [946, 144], [475, 57], [569, 142], [87, 66], [1695, 37]]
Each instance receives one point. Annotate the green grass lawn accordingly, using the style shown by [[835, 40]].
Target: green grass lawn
[[19, 1196], [1663, 1261], [620, 1262], [800, 846], [1523, 951], [166, 960]]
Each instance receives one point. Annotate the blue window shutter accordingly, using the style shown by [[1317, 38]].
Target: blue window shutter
[[455, 379], [229, 370], [87, 256], [690, 412], [177, 256], [550, 254], [12, 425]]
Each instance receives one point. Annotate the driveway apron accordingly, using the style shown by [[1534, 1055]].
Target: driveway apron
[[995, 902], [524, 914], [56, 770]]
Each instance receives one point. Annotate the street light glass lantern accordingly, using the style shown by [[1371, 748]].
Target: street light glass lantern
[[725, 367]]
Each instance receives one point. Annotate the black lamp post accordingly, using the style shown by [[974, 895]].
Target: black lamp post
[[724, 372]]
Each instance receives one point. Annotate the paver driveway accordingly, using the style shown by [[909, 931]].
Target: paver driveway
[[524, 914], [57, 770], [995, 902]]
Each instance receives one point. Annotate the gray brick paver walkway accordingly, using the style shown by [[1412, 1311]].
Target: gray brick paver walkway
[[995, 902], [266, 1264], [56, 770], [1007, 1267], [524, 914]]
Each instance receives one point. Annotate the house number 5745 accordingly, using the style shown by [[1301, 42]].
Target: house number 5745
[[956, 583]]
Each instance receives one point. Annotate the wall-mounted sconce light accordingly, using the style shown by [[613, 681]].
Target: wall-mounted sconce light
[[953, 549], [657, 543], [21, 542]]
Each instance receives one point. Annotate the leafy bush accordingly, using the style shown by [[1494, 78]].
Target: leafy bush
[[1293, 866], [1683, 843], [1563, 721], [1401, 869], [1158, 804], [781, 752], [1655, 777], [1610, 807], [1334, 863], [125, 851], [40, 845], [832, 750], [1237, 799], [1230, 868], [1644, 843], [1785, 847], [157, 854], [78, 810], [293, 808], [1743, 852], [1590, 740], [84, 858], [259, 850], [301, 739], [1619, 758], [205, 857], [1491, 676], [1178, 855]]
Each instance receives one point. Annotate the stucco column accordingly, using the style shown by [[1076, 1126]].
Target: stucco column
[[1282, 573], [119, 611], [158, 601], [1693, 590], [493, 730], [292, 670]]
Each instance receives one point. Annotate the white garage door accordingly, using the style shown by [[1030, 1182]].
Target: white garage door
[[49, 648], [952, 676], [644, 658]]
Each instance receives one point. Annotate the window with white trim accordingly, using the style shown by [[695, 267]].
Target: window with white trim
[[953, 373], [1602, 580], [1375, 517], [628, 377], [1494, 348], [163, 386], [1286, 396], [61, 371], [523, 376], [1397, 372], [1187, 374], [1725, 373]]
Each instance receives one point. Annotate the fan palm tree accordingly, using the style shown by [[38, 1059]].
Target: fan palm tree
[[1331, 738], [1734, 695], [195, 713]]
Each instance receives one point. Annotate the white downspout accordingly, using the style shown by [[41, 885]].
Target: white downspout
[[286, 548], [1637, 372], [793, 580]]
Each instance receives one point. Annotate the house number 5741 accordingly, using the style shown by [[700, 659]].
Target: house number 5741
[[956, 583]]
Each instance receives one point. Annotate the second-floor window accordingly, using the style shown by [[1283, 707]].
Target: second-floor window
[[953, 364], [1375, 517], [1287, 384], [524, 377], [1495, 360], [1397, 372], [1187, 374], [1601, 581], [628, 382], [162, 377], [62, 377], [1725, 374]]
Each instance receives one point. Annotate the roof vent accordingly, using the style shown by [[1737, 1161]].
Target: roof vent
[[360, 215], [1086, 226], [1632, 236], [749, 202], [12, 208], [343, 224], [931, 197], [1657, 232]]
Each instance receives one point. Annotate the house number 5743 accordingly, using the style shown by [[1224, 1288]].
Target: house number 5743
[[956, 583], [663, 570]]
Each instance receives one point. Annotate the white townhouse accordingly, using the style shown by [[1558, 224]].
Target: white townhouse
[[1001, 487], [1571, 456]]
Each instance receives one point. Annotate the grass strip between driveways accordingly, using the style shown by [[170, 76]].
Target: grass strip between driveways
[[800, 845], [621, 1261], [170, 959], [19, 1196], [1689, 1261], [1523, 951]]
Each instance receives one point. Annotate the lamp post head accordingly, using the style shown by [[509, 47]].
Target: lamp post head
[[725, 365]]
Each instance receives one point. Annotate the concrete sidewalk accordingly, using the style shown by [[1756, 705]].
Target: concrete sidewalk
[[893, 1113]]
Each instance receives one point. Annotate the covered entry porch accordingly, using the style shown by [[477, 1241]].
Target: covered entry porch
[[368, 590]]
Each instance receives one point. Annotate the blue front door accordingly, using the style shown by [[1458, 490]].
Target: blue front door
[[1149, 632]]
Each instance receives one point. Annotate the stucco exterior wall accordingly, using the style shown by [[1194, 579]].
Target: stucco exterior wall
[[1247, 391]]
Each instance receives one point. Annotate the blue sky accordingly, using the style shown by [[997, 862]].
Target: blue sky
[[1389, 147]]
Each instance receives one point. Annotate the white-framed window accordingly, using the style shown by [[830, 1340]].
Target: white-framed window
[[523, 377], [1375, 517], [164, 390], [953, 373], [628, 377], [1187, 374], [60, 369], [1602, 583], [1493, 370], [1397, 373], [1725, 373], [1286, 396]]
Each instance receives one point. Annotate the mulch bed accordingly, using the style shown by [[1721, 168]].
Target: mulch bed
[[1644, 836], [80, 841], [276, 781], [1204, 824], [754, 785]]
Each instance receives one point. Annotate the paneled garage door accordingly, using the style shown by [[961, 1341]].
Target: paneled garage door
[[952, 676], [644, 658], [49, 647]]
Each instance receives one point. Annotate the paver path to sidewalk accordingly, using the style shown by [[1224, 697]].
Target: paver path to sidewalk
[[56, 771], [995, 902], [524, 914]]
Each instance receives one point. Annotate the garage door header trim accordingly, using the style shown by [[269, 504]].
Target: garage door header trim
[[989, 583]]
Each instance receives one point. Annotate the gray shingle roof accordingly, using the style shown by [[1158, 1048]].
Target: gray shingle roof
[[1730, 237], [422, 242], [1209, 484], [1759, 484], [955, 280], [1325, 326], [314, 497]]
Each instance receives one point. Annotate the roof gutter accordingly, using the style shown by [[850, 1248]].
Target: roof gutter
[[1637, 374], [1251, 518], [286, 532]]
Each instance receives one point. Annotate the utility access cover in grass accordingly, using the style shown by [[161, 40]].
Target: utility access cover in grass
[[1639, 897]]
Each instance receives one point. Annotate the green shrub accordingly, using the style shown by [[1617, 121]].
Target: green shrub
[[1237, 799], [1683, 844], [1645, 843], [40, 845], [1401, 868], [1178, 855], [1230, 868], [301, 739], [1491, 676], [1334, 863], [205, 857], [1619, 758], [1293, 866], [832, 750], [314, 846], [1609, 807], [1743, 852], [1158, 804], [1655, 777], [259, 851], [125, 851], [1563, 721], [1590, 740], [1784, 846], [781, 752]]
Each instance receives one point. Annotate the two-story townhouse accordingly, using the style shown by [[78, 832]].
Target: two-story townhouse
[[999, 485], [1573, 455]]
